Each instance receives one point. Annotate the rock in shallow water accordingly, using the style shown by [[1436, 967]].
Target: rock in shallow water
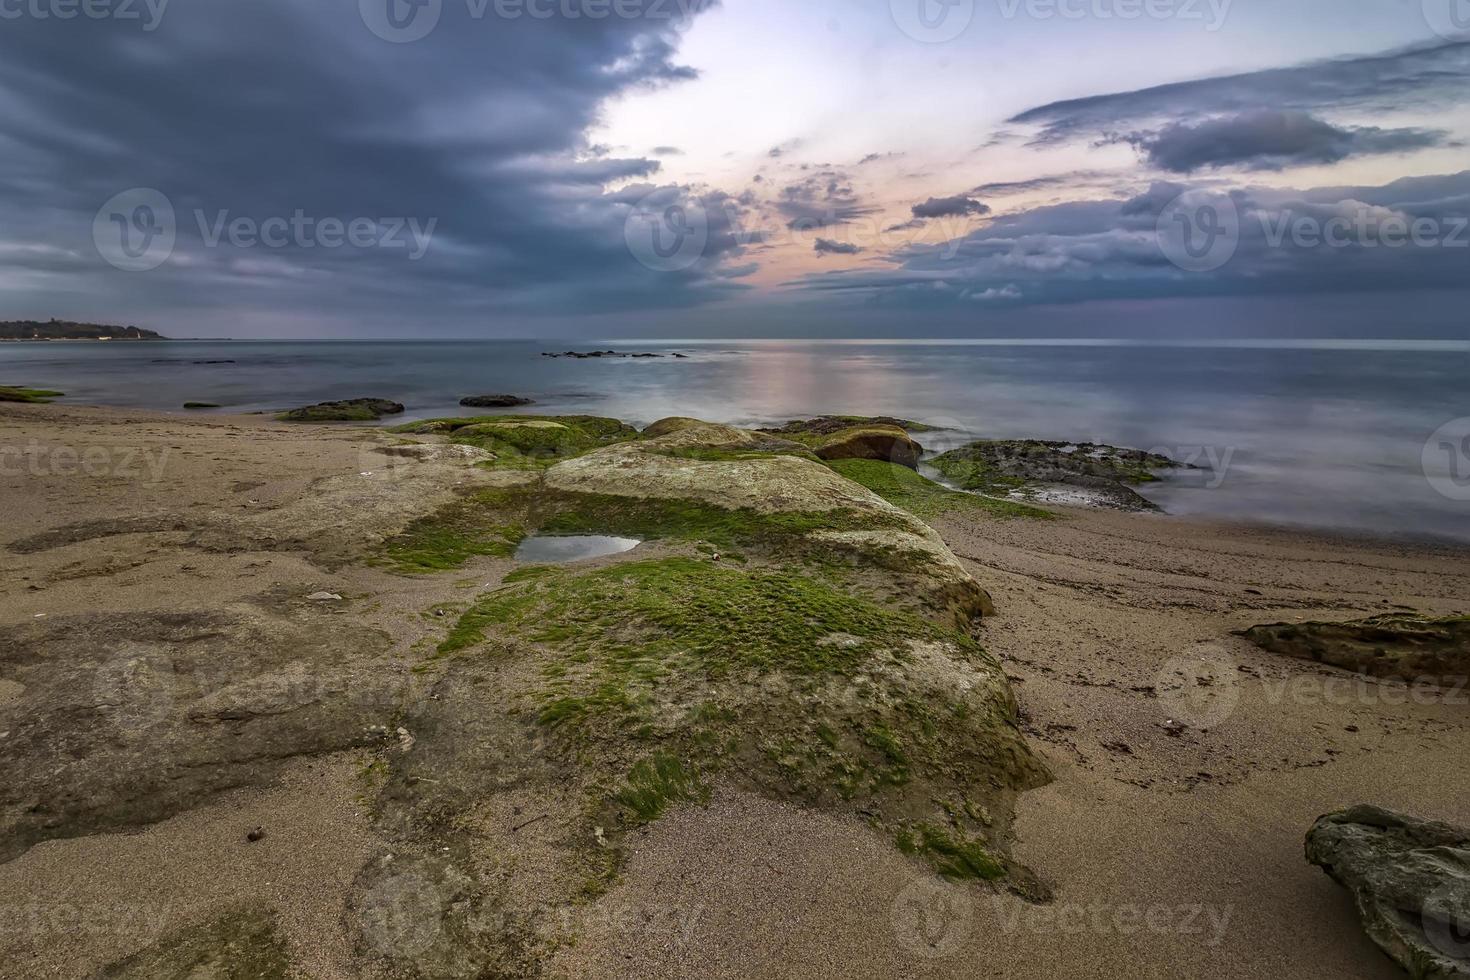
[[495, 401], [351, 410], [1411, 882]]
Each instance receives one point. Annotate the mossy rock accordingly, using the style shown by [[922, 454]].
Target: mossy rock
[[923, 497], [1102, 475], [792, 634], [887, 443], [1410, 648], [350, 410], [38, 396], [528, 441], [827, 425]]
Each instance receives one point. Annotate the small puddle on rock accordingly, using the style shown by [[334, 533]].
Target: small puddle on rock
[[556, 549]]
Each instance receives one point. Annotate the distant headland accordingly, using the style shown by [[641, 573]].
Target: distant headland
[[66, 330]]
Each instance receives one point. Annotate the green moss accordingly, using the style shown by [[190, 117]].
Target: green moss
[[529, 441], [953, 854], [924, 498], [32, 395], [454, 535], [711, 617], [657, 783]]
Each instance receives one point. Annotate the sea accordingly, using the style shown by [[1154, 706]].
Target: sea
[[1365, 437]]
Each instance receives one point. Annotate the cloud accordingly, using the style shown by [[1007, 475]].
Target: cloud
[[826, 246], [667, 151], [480, 126], [949, 207], [1075, 179], [1420, 78], [1405, 237], [821, 200], [1270, 139]]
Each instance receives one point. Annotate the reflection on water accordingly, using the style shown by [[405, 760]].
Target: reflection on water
[[557, 550]]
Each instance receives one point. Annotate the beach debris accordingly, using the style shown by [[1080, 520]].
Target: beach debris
[[258, 834], [324, 597], [1410, 880]]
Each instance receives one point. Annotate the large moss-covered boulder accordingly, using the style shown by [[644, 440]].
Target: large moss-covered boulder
[[1410, 880], [782, 630], [1393, 647]]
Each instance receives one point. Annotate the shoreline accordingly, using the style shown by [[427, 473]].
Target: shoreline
[[1096, 615], [1224, 525]]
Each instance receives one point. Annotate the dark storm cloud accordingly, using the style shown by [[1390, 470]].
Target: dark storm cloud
[[1270, 139], [1420, 77], [821, 200], [265, 109], [949, 207], [1410, 235], [826, 246]]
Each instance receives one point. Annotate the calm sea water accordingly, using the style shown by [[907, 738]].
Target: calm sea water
[[1328, 434]]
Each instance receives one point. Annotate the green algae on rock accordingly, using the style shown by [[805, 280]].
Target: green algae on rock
[[41, 396], [924, 498], [1036, 469], [527, 441], [1411, 648], [832, 665], [349, 410]]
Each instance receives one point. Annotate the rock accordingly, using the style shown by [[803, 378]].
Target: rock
[[882, 442], [826, 425], [666, 426], [324, 597], [256, 835], [1410, 880], [495, 401], [1395, 647], [351, 410], [10, 393], [1055, 472], [193, 405]]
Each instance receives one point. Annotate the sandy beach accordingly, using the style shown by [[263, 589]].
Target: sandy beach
[[1187, 764]]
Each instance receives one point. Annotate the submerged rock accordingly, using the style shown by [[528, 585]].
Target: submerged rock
[[351, 410], [495, 401], [1395, 646], [11, 393], [1057, 472], [1410, 880]]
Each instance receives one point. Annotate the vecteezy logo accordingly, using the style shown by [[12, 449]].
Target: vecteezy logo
[[667, 231], [1199, 232], [1446, 459], [932, 919], [134, 231], [1448, 18], [1200, 688], [1447, 922], [932, 21], [136, 686], [401, 21]]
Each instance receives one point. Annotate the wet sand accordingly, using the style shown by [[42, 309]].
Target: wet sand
[[1171, 835]]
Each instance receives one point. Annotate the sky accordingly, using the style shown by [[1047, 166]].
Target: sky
[[691, 168]]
